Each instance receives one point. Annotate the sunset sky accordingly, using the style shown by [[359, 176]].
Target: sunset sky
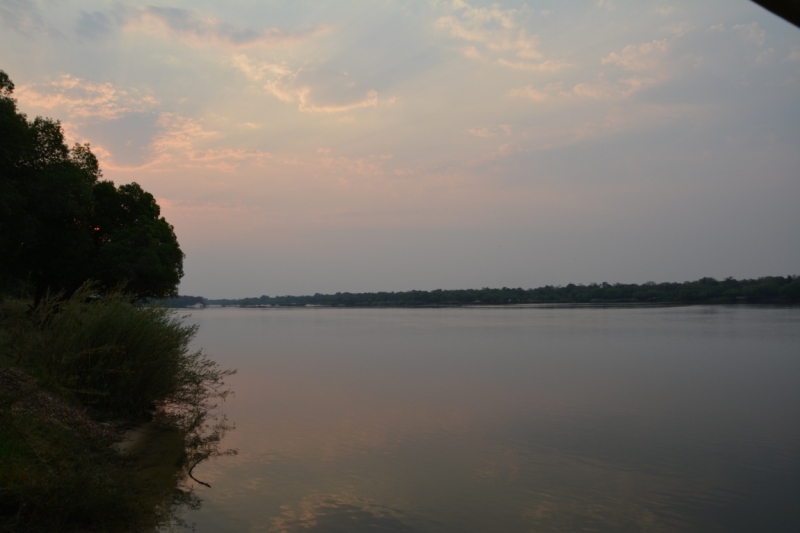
[[321, 146]]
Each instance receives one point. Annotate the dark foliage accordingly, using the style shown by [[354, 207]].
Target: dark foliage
[[61, 225], [80, 360], [773, 289], [133, 242], [116, 357], [183, 301]]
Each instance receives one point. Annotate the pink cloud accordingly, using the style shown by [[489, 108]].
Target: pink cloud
[[83, 98], [644, 56]]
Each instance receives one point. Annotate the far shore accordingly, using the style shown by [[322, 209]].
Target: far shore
[[707, 291]]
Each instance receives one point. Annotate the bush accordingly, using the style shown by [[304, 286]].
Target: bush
[[121, 359]]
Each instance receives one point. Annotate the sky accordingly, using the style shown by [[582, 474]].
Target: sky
[[325, 146]]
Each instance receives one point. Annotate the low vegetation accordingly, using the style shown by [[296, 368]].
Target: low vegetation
[[116, 357], [77, 372]]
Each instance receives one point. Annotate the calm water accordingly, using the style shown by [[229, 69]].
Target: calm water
[[506, 420]]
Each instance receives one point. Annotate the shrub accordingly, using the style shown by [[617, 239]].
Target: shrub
[[57, 470], [117, 357]]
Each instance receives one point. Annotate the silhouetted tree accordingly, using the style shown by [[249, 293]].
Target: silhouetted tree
[[60, 225]]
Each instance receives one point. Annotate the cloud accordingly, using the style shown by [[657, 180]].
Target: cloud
[[597, 90], [544, 66], [96, 25], [492, 28], [607, 4], [315, 90], [471, 52], [345, 168], [178, 133], [752, 33], [644, 56], [322, 91], [82, 98], [794, 55], [188, 26], [496, 32], [541, 94], [175, 142], [529, 92], [494, 131], [24, 17], [679, 28], [626, 118], [602, 89], [482, 132], [258, 70]]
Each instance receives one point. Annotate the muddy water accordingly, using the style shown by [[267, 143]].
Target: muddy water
[[506, 419]]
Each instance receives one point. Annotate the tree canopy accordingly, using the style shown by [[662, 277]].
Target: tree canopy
[[61, 224]]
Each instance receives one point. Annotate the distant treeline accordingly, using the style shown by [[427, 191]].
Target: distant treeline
[[773, 289], [183, 301]]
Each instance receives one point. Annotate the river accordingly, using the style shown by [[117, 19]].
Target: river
[[507, 419]]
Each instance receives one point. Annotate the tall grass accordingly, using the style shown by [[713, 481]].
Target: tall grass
[[123, 362], [120, 359]]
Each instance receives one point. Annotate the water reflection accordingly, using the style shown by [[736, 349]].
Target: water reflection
[[679, 419], [331, 514], [163, 454]]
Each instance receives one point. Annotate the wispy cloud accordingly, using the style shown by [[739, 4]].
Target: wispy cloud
[[322, 91], [529, 92], [602, 89], [752, 33], [186, 26], [598, 90], [178, 133], [315, 90], [491, 131], [544, 66], [194, 28], [82, 98], [643, 56], [493, 28], [497, 32]]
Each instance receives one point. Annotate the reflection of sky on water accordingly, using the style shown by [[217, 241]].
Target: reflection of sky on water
[[318, 513], [506, 420]]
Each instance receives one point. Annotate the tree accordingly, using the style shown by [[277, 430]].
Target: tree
[[134, 242], [60, 225]]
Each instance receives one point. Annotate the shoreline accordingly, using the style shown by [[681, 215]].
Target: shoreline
[[765, 290], [532, 305]]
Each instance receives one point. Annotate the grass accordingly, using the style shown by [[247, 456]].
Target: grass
[[117, 361], [120, 359]]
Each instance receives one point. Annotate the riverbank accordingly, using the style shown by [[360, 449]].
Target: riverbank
[[77, 378], [771, 289], [59, 470]]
